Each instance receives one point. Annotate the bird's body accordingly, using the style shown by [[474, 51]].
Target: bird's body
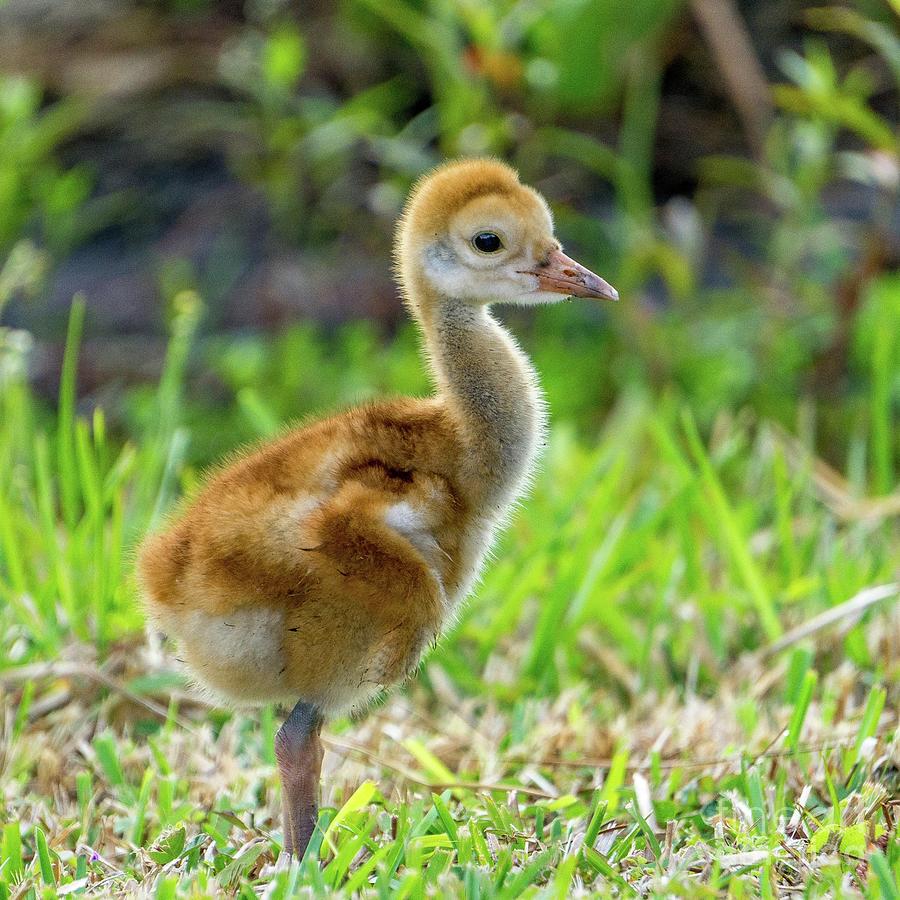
[[321, 565]]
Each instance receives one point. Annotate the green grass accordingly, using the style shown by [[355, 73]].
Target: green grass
[[645, 696], [611, 714]]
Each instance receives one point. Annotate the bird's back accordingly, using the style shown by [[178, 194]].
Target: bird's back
[[315, 534]]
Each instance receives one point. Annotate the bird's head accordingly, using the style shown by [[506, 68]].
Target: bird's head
[[472, 231]]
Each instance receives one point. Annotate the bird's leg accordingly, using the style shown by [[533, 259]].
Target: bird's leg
[[298, 750]]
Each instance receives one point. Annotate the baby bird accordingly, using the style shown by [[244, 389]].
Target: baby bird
[[317, 568]]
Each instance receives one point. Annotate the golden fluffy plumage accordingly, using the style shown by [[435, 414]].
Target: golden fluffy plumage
[[319, 566]]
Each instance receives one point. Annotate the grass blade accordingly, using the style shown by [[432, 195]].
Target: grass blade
[[65, 430], [731, 532]]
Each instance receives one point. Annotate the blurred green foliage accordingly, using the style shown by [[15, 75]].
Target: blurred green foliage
[[587, 358], [499, 79], [756, 341], [294, 146], [675, 527], [33, 187], [774, 315], [483, 61], [642, 511]]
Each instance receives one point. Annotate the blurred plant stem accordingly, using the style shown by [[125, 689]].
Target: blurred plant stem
[[736, 59]]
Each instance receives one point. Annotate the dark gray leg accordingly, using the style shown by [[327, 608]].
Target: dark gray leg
[[299, 754]]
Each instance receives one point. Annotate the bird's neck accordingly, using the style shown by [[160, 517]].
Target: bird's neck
[[493, 391]]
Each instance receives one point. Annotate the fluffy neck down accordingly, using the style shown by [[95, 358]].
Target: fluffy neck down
[[489, 384]]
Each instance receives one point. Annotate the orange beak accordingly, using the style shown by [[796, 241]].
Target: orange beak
[[562, 275]]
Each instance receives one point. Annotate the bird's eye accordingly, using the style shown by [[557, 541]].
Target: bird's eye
[[487, 242]]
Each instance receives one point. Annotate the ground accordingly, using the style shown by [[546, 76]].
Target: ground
[[679, 676]]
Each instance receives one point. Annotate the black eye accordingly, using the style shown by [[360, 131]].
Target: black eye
[[487, 242]]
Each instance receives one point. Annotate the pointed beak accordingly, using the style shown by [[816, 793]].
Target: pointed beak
[[562, 275]]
